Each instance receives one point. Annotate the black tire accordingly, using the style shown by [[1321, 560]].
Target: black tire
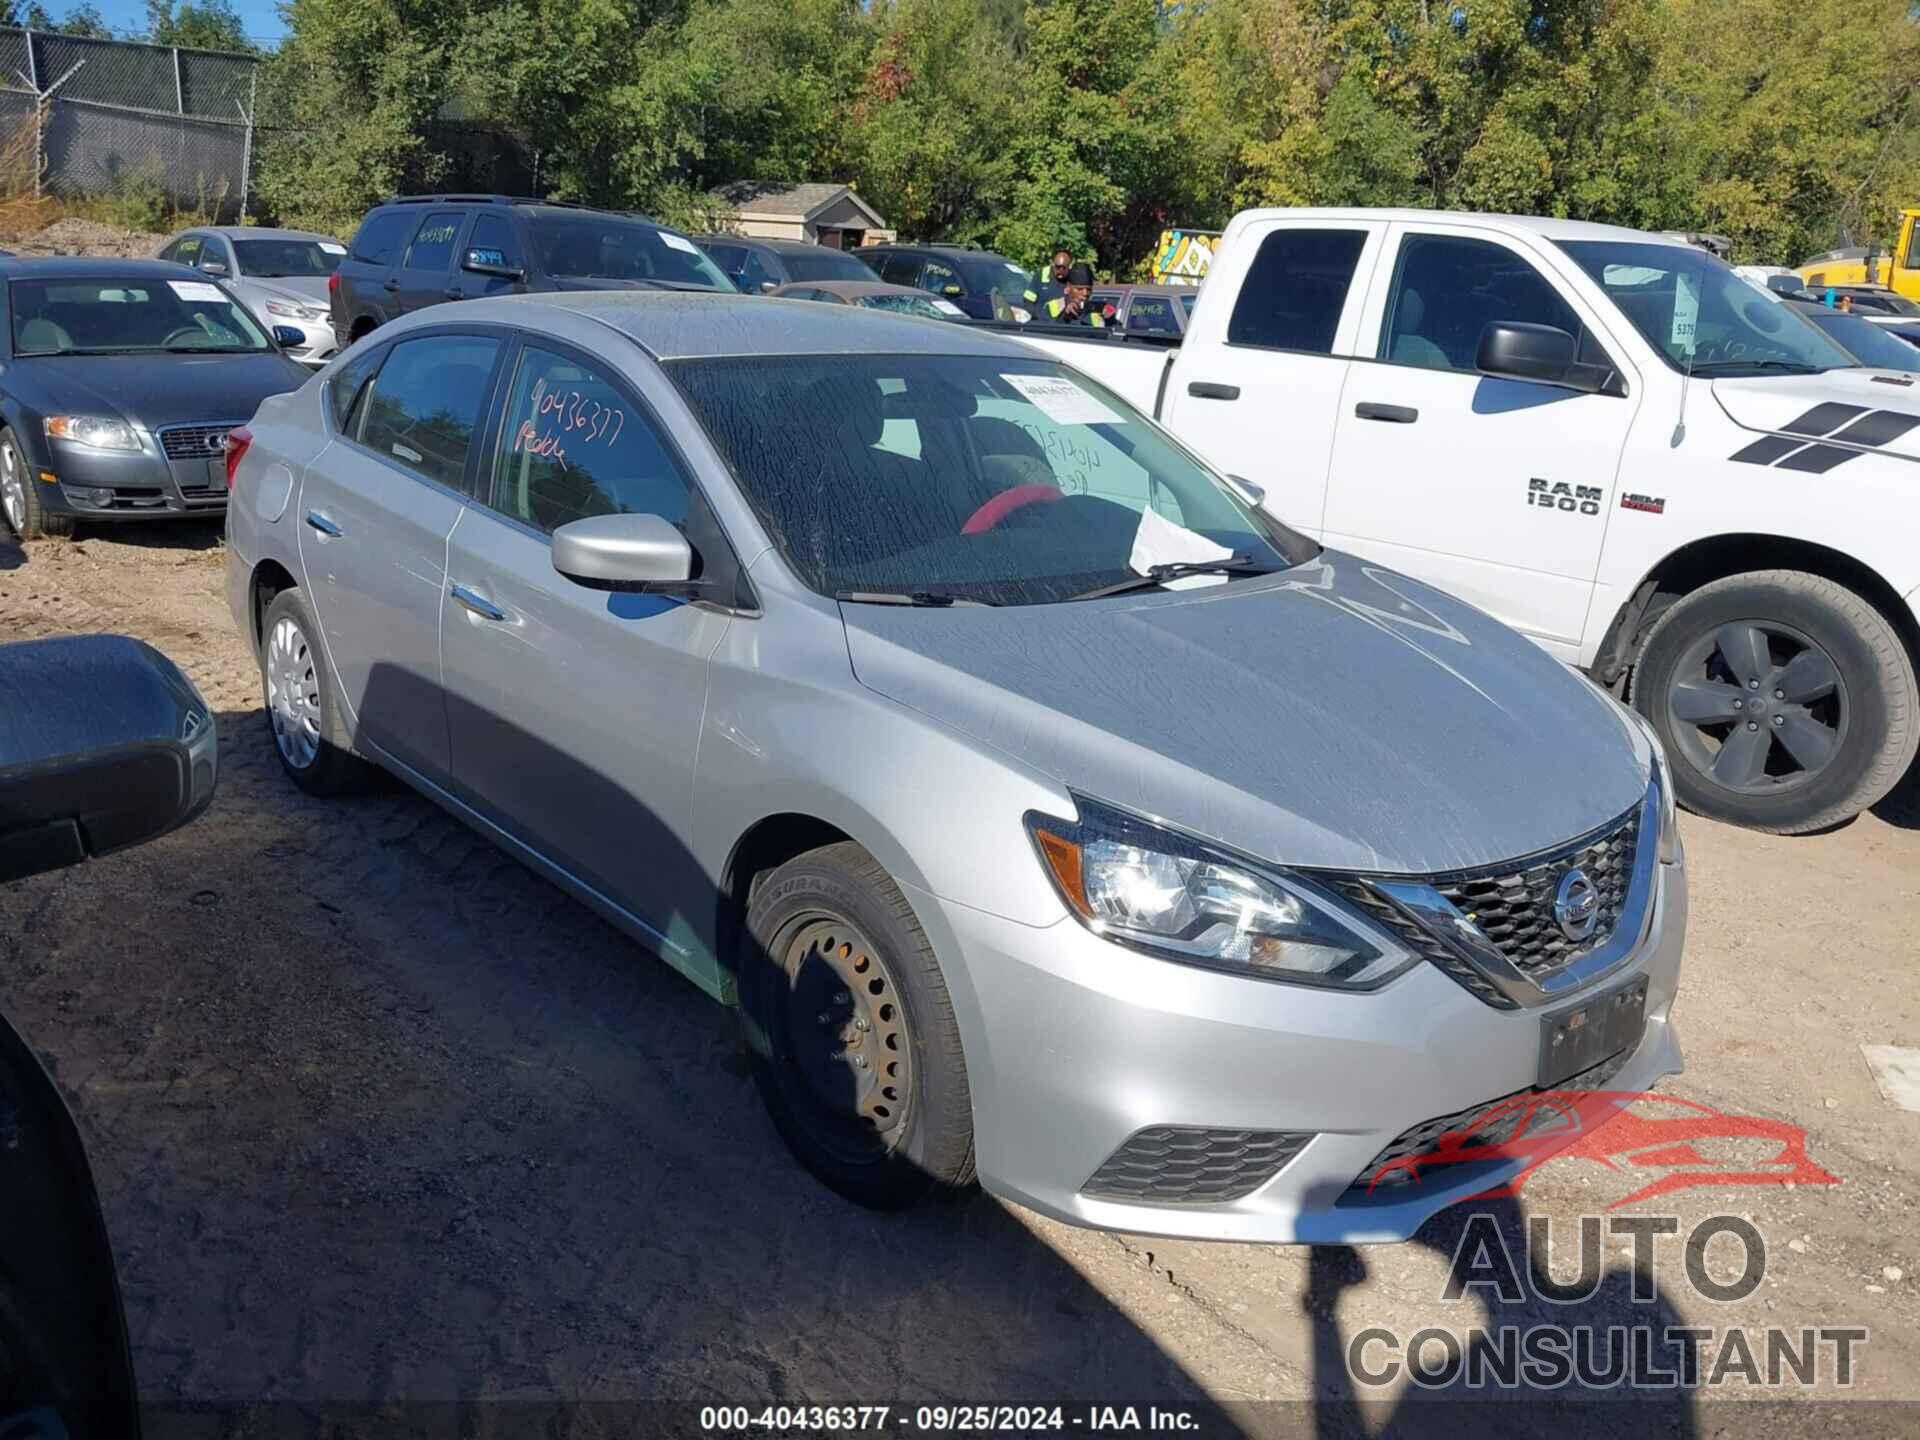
[[1815, 751], [830, 941], [333, 767], [31, 520]]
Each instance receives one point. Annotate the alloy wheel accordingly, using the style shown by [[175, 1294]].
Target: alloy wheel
[[1757, 707], [845, 1035], [13, 490], [293, 693]]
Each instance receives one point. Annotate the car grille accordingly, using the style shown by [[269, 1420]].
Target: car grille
[[1189, 1165], [1513, 907], [1525, 1120], [191, 442]]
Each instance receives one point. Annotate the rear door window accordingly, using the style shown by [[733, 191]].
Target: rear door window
[[1295, 290], [938, 276], [345, 386], [382, 236], [899, 269], [423, 406], [432, 248]]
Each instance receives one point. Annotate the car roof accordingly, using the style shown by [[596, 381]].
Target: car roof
[[46, 267], [255, 232], [1546, 227], [852, 288], [683, 325], [779, 247]]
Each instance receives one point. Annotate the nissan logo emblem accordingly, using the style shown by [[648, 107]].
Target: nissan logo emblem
[[1576, 905]]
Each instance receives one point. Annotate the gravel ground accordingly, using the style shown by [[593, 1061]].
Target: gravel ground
[[378, 1117], [75, 235]]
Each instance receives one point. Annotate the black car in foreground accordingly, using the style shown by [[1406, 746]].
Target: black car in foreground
[[119, 380], [419, 250]]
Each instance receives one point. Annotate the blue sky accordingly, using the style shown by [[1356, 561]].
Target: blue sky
[[260, 17]]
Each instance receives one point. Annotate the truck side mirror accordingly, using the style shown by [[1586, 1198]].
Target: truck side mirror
[[103, 744], [1540, 354]]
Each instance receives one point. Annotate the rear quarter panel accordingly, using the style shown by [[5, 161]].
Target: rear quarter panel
[[289, 433]]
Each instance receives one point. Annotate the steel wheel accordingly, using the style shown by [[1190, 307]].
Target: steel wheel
[[293, 693], [13, 489], [1758, 707], [845, 1036]]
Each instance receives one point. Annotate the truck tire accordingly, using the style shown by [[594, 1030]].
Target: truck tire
[[21, 507], [305, 723], [1786, 702], [851, 1032]]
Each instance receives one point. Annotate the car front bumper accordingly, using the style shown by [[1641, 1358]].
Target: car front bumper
[[1075, 1045], [128, 485]]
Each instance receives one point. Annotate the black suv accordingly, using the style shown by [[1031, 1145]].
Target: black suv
[[985, 285], [756, 266], [420, 250]]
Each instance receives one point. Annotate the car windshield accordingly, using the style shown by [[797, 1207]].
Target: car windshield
[[288, 259], [1867, 342], [120, 317], [822, 263], [939, 478], [924, 305], [603, 247], [1700, 315], [1006, 280]]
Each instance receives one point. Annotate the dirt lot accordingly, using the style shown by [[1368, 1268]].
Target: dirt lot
[[378, 1116]]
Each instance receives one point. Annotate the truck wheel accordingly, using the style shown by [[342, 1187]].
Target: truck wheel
[[309, 732], [854, 1045], [20, 503], [1786, 702]]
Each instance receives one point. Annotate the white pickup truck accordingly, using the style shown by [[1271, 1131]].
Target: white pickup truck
[[1606, 439]]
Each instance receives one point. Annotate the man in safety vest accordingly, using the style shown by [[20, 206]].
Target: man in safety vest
[[1054, 285], [1074, 306]]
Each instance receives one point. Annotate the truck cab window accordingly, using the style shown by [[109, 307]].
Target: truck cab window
[[1295, 290], [1448, 288]]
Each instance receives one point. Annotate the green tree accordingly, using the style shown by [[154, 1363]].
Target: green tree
[[208, 25], [83, 20]]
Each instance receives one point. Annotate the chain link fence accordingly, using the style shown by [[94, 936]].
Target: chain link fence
[[96, 116]]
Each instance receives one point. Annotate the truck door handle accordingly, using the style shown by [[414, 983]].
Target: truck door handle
[[319, 521], [391, 285], [1210, 390], [454, 292], [1392, 414], [476, 602]]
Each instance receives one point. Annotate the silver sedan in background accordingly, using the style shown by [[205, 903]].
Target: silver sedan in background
[[1050, 812], [281, 276]]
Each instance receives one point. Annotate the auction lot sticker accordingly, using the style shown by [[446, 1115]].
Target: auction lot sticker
[[1062, 401]]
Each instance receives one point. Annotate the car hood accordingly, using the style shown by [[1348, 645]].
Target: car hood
[[155, 390], [300, 289], [1337, 716], [1858, 409]]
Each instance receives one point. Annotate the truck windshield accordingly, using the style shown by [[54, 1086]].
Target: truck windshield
[[1697, 313], [943, 479], [605, 247]]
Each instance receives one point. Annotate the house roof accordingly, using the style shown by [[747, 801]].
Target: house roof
[[786, 200]]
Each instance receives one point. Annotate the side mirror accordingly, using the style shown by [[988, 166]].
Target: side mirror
[[103, 744], [491, 262], [1541, 354], [606, 551], [1256, 495], [287, 335], [213, 267], [767, 287]]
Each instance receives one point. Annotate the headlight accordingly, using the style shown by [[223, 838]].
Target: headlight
[[1670, 850], [1153, 889], [287, 310], [95, 431]]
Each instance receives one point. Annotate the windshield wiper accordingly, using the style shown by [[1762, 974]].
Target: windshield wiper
[[1160, 574], [209, 350], [933, 598], [1791, 367]]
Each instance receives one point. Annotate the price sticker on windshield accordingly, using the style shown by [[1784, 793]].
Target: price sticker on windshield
[[1686, 311], [332, 249], [198, 290], [676, 242], [947, 307], [1062, 401]]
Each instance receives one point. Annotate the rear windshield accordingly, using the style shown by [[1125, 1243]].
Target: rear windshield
[[125, 317], [994, 273], [826, 265], [604, 247], [288, 259]]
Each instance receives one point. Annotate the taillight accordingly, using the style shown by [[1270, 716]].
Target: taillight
[[238, 439], [333, 283]]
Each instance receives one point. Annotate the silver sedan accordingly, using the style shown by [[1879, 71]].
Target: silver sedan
[[1048, 810]]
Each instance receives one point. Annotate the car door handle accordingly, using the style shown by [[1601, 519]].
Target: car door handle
[[319, 521], [476, 602], [391, 285], [1210, 390], [454, 292], [1392, 414]]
